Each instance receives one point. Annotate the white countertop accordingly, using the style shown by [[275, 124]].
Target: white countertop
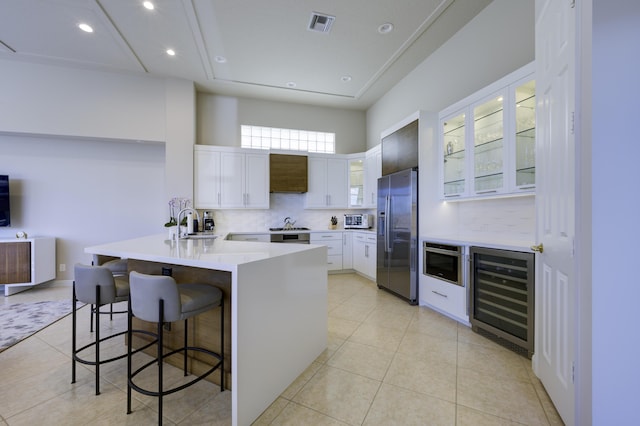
[[499, 243], [209, 253]]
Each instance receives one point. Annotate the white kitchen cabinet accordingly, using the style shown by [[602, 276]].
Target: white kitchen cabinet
[[356, 181], [206, 179], [447, 298], [26, 263], [230, 178], [347, 250], [372, 171], [487, 140], [328, 183], [333, 241], [364, 253]]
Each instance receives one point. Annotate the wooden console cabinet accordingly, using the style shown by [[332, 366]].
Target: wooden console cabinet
[[25, 263]]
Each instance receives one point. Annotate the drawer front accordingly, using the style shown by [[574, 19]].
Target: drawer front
[[444, 296], [318, 237], [334, 262]]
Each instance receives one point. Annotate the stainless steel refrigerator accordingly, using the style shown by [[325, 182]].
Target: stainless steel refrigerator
[[397, 229]]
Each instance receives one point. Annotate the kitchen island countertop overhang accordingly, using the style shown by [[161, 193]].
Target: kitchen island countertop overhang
[[278, 303]]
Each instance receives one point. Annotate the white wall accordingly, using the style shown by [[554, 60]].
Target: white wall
[[83, 192], [220, 117], [70, 142], [615, 207]]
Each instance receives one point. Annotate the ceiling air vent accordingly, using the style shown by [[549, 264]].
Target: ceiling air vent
[[321, 23]]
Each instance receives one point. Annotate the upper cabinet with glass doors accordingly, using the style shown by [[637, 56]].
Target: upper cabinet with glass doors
[[488, 140]]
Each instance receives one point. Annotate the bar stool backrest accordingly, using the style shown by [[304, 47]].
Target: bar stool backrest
[[146, 292], [88, 277]]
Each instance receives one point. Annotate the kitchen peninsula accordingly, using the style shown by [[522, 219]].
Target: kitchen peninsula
[[276, 295]]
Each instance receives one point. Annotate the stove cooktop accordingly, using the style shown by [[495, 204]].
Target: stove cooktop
[[289, 229]]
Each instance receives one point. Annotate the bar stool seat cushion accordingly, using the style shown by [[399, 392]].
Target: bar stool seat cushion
[[180, 301]]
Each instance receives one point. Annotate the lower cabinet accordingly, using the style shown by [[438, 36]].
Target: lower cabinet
[[364, 253], [26, 263], [447, 298], [334, 243]]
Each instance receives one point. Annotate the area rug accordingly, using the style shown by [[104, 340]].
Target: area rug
[[21, 320]]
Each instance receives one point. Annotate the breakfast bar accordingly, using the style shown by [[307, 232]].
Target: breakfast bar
[[276, 295]]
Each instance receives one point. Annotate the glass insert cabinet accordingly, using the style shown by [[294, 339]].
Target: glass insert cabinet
[[487, 141]]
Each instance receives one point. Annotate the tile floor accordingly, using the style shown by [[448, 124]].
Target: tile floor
[[387, 363]]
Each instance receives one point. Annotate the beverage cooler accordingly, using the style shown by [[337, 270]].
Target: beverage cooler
[[502, 296]]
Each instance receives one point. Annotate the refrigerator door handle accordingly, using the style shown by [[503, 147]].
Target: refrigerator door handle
[[388, 217]]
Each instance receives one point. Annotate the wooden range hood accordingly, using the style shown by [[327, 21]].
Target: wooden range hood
[[288, 173]]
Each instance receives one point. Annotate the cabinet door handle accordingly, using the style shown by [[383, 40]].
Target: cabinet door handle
[[487, 192], [522, 188], [439, 294], [366, 251], [452, 196]]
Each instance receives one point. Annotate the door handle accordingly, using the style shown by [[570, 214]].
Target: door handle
[[539, 248]]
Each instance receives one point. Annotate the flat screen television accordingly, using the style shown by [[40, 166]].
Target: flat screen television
[[5, 211]]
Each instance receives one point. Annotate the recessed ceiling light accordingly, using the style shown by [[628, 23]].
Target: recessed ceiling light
[[171, 52], [85, 27], [345, 78], [291, 84], [385, 28], [148, 5], [220, 59]]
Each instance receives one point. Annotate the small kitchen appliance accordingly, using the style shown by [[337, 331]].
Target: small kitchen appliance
[[357, 221]]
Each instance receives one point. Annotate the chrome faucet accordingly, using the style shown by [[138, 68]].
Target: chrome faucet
[[288, 224], [180, 235]]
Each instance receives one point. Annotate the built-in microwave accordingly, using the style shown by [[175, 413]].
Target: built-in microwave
[[357, 221], [443, 261]]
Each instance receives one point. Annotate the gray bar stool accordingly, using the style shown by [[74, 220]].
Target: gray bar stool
[[159, 299], [119, 268], [96, 286]]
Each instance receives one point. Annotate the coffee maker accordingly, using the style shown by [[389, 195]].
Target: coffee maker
[[208, 224]]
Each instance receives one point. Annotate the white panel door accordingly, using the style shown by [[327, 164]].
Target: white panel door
[[316, 196], [257, 181], [206, 179], [555, 296], [232, 180], [337, 183]]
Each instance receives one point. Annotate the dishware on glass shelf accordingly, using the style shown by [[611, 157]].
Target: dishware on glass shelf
[[450, 148]]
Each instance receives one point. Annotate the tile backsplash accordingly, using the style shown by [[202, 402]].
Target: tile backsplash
[[281, 206]]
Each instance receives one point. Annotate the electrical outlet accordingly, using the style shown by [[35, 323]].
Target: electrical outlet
[[63, 267]]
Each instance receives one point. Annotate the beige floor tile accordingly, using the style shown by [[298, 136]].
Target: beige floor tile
[[511, 399], [342, 328], [214, 413], [30, 357], [429, 348], [271, 412], [494, 361], [491, 385], [380, 337], [397, 406], [338, 394], [300, 381], [80, 406], [469, 417], [37, 389], [295, 415], [361, 359], [351, 311], [433, 378], [427, 321]]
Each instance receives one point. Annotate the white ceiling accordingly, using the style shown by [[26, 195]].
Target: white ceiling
[[266, 43]]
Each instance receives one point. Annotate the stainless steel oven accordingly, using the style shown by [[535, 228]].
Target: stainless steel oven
[[444, 261]]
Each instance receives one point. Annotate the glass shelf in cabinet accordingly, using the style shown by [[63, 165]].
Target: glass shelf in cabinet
[[489, 145], [529, 133]]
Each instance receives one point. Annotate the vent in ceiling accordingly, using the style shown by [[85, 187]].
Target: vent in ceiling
[[321, 23]]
